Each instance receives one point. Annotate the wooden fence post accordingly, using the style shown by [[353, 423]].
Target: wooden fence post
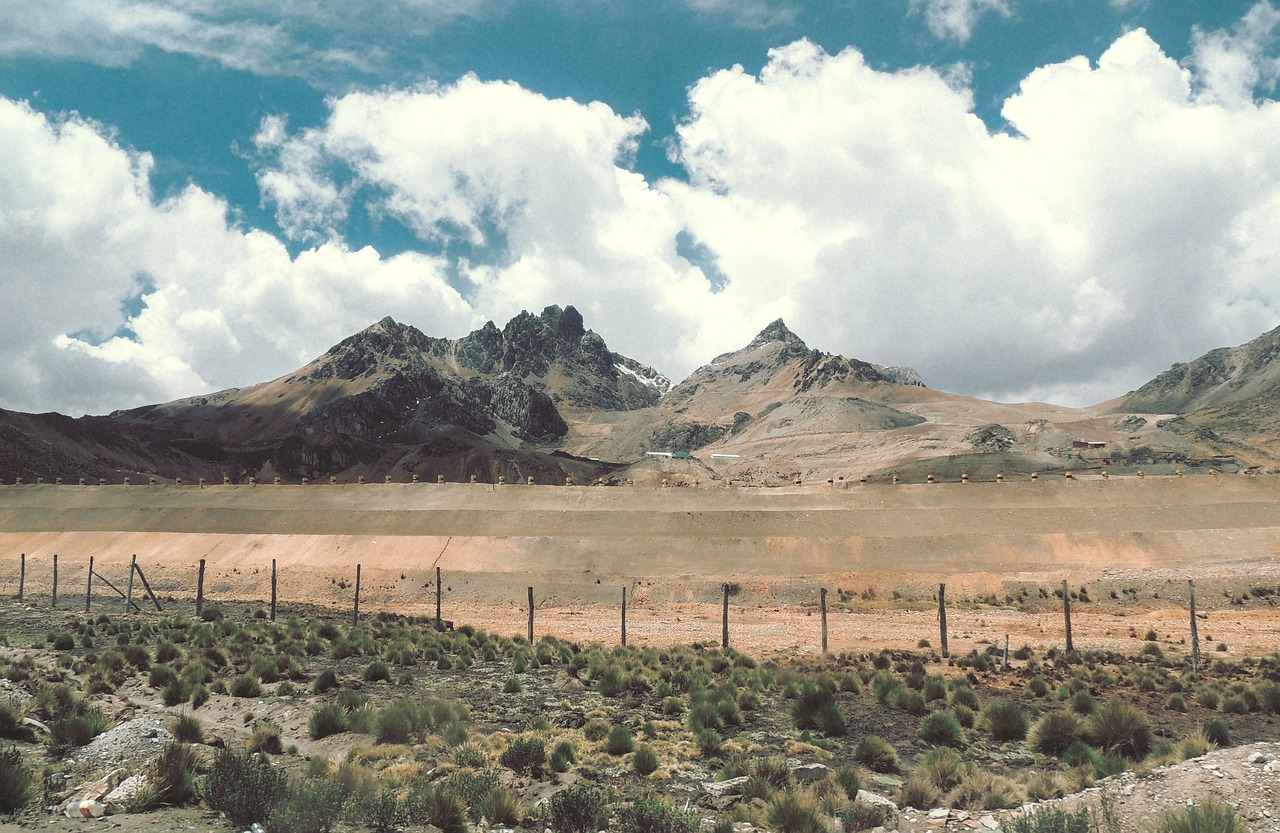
[[273, 590], [128, 599], [22, 577], [1195, 633], [355, 610], [439, 621], [55, 580], [724, 624], [88, 590], [530, 615], [200, 589], [1066, 613], [624, 617], [1006, 652], [942, 618], [822, 598]]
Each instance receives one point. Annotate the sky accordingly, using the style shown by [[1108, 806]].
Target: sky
[[1024, 200]]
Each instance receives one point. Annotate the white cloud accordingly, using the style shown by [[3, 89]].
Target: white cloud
[[955, 19], [746, 14], [82, 235], [1126, 221], [1232, 65]]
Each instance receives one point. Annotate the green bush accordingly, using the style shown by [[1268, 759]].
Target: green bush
[[64, 642], [246, 788], [512, 685], [187, 729], [328, 719], [377, 672], [562, 756], [77, 728], [918, 792], [395, 723], [1210, 816], [645, 760], [171, 778], [312, 807], [246, 685], [1217, 732], [941, 729], [875, 753], [849, 780], [1054, 733], [15, 781], [578, 809], [525, 756], [1053, 820], [1005, 720], [11, 726], [1120, 728], [325, 680], [943, 768], [437, 805], [912, 702], [265, 739], [652, 815], [795, 812], [816, 708], [621, 740], [380, 810], [863, 816]]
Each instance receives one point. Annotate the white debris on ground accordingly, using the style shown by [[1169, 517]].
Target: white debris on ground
[[131, 745]]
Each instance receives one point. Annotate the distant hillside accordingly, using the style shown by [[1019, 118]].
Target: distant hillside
[[545, 397]]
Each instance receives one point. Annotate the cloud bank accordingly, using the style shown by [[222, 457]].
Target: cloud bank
[[1123, 221]]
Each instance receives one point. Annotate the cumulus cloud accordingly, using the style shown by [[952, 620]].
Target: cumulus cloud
[[1123, 221], [216, 305], [955, 19], [1115, 230]]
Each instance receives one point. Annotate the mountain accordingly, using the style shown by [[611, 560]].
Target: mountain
[[544, 396], [1230, 395]]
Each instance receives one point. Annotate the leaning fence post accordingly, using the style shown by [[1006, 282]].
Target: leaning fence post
[[439, 622], [200, 589], [88, 590], [530, 615], [355, 609], [1195, 633], [22, 576], [1006, 652], [624, 617], [55, 580], [1066, 613], [822, 599], [724, 622], [273, 590], [128, 599], [942, 618]]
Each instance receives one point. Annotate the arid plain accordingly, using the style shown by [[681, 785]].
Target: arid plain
[[1126, 546]]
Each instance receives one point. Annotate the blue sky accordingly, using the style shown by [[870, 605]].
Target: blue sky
[[1021, 198]]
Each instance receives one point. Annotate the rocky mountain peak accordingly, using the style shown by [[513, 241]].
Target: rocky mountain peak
[[776, 331]]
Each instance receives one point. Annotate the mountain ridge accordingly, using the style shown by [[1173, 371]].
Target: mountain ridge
[[544, 396]]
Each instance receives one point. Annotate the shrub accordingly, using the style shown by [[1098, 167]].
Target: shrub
[[912, 702], [651, 815], [1211, 816], [1053, 820], [1120, 728], [1055, 732], [980, 790], [377, 672], [578, 809], [875, 753], [64, 642], [78, 728], [863, 816], [437, 805], [512, 685], [611, 682], [1176, 703], [499, 806], [1037, 687], [943, 768], [621, 741], [11, 726], [313, 807], [187, 729], [246, 685], [246, 788], [265, 739], [645, 760], [380, 810], [326, 680], [941, 729], [562, 756], [171, 778], [709, 742], [848, 779], [816, 708], [1217, 732], [963, 695], [395, 723], [918, 792], [328, 719], [1006, 720], [596, 729], [15, 781], [795, 812], [1082, 702], [525, 756]]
